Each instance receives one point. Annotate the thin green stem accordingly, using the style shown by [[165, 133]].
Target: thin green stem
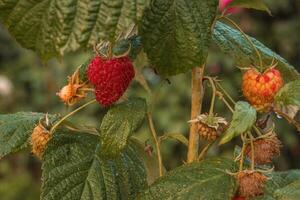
[[157, 143], [225, 92], [247, 38], [212, 103], [252, 150], [257, 130], [242, 157], [70, 114], [204, 151], [226, 103]]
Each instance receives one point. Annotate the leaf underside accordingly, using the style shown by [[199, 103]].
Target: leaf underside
[[232, 42], [74, 169], [53, 28], [244, 116]]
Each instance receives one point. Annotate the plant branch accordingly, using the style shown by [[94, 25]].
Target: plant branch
[[157, 143], [204, 151], [70, 114], [288, 118], [197, 97]]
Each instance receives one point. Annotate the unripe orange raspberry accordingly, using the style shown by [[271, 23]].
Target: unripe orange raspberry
[[260, 88], [39, 139]]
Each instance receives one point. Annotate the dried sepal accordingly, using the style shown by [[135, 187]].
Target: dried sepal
[[265, 149], [250, 183], [74, 91]]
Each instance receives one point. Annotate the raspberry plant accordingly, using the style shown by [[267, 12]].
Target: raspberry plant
[[107, 162]]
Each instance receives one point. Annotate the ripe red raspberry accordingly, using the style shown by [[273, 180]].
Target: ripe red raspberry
[[110, 77], [261, 88]]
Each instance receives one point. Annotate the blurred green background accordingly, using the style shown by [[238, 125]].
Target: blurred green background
[[28, 84]]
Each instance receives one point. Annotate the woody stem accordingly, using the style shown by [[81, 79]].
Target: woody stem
[[197, 97]]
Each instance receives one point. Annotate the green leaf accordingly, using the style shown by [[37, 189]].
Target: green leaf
[[289, 192], [255, 4], [232, 42], [122, 46], [206, 180], [278, 180], [289, 94], [73, 168], [119, 123], [176, 136], [243, 118], [15, 130], [176, 33], [53, 28]]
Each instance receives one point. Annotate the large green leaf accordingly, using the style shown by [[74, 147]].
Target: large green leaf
[[276, 181], [289, 192], [255, 4], [207, 180], [15, 130], [119, 123], [232, 42], [289, 94], [243, 118], [74, 169], [54, 27], [176, 33]]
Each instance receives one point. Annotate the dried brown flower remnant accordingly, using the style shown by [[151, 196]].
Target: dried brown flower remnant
[[39, 139], [265, 149], [250, 183]]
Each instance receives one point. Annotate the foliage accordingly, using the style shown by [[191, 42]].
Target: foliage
[[119, 124], [176, 34], [105, 161], [74, 168], [243, 118], [54, 28], [255, 4], [232, 42], [15, 130], [289, 94], [204, 180]]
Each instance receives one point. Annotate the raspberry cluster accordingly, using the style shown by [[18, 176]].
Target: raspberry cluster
[[110, 78], [260, 88]]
